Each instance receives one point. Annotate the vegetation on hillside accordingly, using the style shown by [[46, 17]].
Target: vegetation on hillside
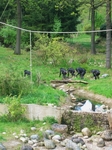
[[47, 58]]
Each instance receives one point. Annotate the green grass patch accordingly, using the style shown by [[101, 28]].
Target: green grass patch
[[15, 127]]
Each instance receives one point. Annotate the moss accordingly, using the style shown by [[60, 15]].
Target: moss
[[85, 121], [77, 123]]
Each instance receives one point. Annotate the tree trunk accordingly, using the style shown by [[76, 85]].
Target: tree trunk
[[93, 49], [108, 34], [18, 37]]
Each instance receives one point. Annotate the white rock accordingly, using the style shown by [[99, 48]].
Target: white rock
[[33, 128], [86, 132]]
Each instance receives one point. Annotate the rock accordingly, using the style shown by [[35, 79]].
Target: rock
[[107, 135], [71, 145], [101, 143], [77, 140], [109, 115], [86, 132], [30, 142], [33, 128], [49, 144], [40, 143], [56, 138], [63, 143], [34, 137], [26, 147], [110, 148], [24, 139], [48, 134], [104, 75], [60, 128], [2, 147]]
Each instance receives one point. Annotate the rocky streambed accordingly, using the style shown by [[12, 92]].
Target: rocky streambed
[[57, 138]]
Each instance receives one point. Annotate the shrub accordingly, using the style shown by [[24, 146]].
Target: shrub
[[13, 84], [52, 50], [16, 111]]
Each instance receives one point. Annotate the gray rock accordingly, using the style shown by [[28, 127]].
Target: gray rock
[[78, 140], [56, 138], [110, 148], [26, 147], [101, 143], [49, 144], [107, 135], [71, 145], [48, 134], [60, 128], [63, 143], [2, 147], [34, 137]]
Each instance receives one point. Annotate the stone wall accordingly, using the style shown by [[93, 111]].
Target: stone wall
[[78, 120], [75, 120], [37, 112]]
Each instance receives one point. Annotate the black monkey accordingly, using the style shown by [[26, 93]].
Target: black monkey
[[26, 72], [71, 71], [63, 72], [81, 72], [95, 73]]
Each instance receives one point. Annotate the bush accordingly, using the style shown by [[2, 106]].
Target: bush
[[15, 110], [8, 35], [52, 50], [13, 84]]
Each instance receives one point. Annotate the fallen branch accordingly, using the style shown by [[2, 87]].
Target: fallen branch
[[69, 81]]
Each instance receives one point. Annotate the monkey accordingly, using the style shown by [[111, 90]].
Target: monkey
[[95, 73], [63, 72], [26, 72], [81, 72], [71, 71]]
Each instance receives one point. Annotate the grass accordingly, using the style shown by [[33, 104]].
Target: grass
[[9, 129], [42, 92]]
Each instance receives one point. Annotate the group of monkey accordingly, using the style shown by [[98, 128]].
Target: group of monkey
[[66, 72], [79, 71]]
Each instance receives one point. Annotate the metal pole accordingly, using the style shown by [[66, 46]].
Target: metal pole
[[30, 57]]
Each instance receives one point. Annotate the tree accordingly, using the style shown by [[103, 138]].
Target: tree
[[93, 50], [108, 34], [93, 5], [18, 37], [39, 15]]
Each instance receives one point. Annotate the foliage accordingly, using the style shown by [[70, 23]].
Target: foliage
[[49, 120], [11, 83], [81, 121], [9, 36], [51, 49], [99, 20], [34, 17], [56, 26], [42, 92], [15, 110]]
